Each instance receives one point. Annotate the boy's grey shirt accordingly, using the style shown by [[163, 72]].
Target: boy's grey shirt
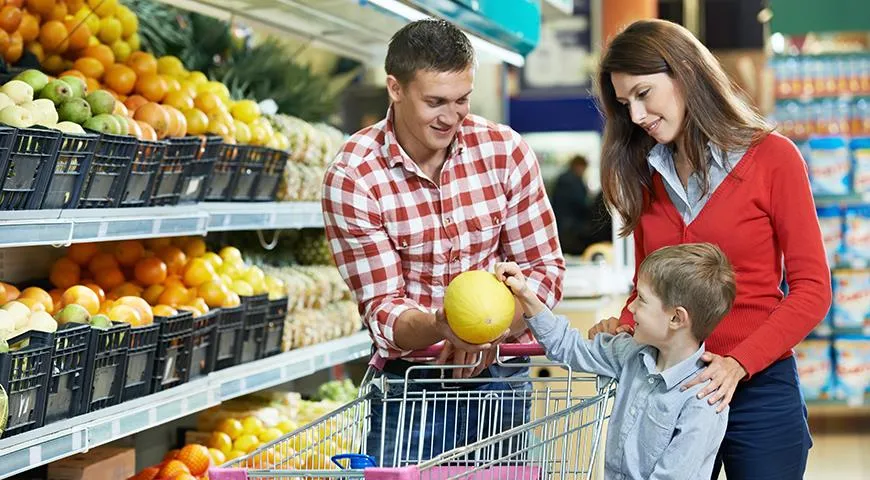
[[655, 430]]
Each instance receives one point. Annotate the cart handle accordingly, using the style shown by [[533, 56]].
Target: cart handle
[[504, 350]]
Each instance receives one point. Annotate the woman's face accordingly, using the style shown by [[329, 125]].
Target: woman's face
[[653, 102]]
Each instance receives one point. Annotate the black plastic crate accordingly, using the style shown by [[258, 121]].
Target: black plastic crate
[[275, 326], [105, 181], [27, 163], [197, 172], [24, 374], [254, 338], [74, 157], [204, 344], [266, 186], [69, 362], [172, 365], [219, 185], [141, 356], [180, 152], [231, 330], [107, 367], [143, 174], [251, 161]]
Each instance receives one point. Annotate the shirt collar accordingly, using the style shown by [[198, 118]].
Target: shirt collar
[[661, 156], [394, 152], [676, 374]]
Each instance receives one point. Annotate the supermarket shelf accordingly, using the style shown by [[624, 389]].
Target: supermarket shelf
[[836, 409], [62, 227], [62, 439]]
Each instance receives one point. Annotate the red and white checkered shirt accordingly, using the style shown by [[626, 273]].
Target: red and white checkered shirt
[[398, 238]]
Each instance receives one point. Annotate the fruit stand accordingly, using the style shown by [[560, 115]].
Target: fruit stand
[[147, 154]]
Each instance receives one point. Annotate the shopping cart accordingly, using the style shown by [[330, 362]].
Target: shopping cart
[[515, 426]]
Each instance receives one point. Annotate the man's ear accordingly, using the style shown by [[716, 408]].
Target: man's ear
[[395, 89], [680, 319]]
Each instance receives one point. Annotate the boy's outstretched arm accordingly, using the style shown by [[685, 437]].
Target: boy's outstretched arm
[[693, 447], [604, 355]]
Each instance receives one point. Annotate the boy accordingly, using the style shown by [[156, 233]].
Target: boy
[[657, 430]]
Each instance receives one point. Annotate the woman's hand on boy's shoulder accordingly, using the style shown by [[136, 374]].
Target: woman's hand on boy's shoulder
[[610, 325]]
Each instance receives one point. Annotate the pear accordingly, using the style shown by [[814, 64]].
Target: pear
[[122, 122], [17, 116], [72, 313], [101, 101], [70, 127], [101, 321], [76, 110], [20, 92], [48, 109], [34, 78], [58, 91], [5, 101], [20, 313], [103, 123], [79, 88], [35, 112]]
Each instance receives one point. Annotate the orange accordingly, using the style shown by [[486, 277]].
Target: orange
[[33, 304], [173, 296], [125, 289], [42, 7], [152, 293], [10, 18], [164, 311], [98, 290], [174, 280], [56, 295], [140, 305], [53, 63], [173, 256], [151, 86], [102, 260], [82, 253], [84, 296], [90, 67], [109, 278], [142, 63], [120, 78], [178, 99], [29, 27], [197, 121], [64, 273], [184, 476], [177, 122], [154, 115], [39, 295], [58, 12], [73, 73], [197, 272], [148, 132], [195, 247], [79, 35], [102, 53], [173, 468], [133, 102], [171, 455], [129, 252], [150, 271], [4, 41], [92, 84], [196, 458], [209, 102], [53, 36], [15, 49], [126, 314]]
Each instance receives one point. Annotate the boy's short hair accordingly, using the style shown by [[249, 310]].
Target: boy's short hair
[[429, 44], [695, 276]]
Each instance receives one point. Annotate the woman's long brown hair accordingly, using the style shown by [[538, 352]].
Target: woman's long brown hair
[[714, 111]]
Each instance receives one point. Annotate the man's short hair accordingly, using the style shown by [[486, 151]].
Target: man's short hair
[[430, 44]]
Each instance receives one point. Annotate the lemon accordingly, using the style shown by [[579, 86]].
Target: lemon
[[270, 435], [231, 427], [246, 443], [252, 425]]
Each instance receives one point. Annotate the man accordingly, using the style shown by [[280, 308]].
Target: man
[[572, 207], [418, 198]]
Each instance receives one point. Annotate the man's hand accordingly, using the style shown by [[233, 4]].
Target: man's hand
[[459, 352]]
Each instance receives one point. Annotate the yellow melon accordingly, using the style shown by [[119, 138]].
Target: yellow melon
[[479, 308]]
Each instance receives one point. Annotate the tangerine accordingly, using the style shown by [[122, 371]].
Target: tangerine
[[29, 27], [10, 18], [90, 67], [120, 78], [84, 296], [150, 271], [142, 63], [64, 273], [79, 34], [154, 115], [148, 132], [53, 36], [82, 253], [102, 53], [15, 49], [109, 278], [151, 86], [196, 458]]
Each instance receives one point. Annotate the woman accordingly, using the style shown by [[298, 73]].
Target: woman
[[685, 159]]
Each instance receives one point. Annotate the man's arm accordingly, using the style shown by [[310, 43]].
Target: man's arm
[[694, 444], [529, 236]]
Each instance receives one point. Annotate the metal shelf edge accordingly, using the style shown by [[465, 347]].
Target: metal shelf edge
[[68, 437]]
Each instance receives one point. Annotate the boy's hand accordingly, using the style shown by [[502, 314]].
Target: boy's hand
[[512, 276], [611, 326]]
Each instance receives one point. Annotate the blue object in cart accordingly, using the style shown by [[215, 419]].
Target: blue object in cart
[[357, 461]]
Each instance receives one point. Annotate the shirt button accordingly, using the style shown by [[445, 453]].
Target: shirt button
[[652, 380], [633, 410], [448, 220]]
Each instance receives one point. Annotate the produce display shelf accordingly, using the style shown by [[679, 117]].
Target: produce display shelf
[[82, 433], [62, 227]]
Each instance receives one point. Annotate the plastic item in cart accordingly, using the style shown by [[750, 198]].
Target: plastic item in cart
[[357, 461], [831, 225], [860, 151], [851, 304], [829, 166], [814, 368], [852, 356], [856, 235]]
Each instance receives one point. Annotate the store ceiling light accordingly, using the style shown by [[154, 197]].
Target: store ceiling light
[[412, 14]]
